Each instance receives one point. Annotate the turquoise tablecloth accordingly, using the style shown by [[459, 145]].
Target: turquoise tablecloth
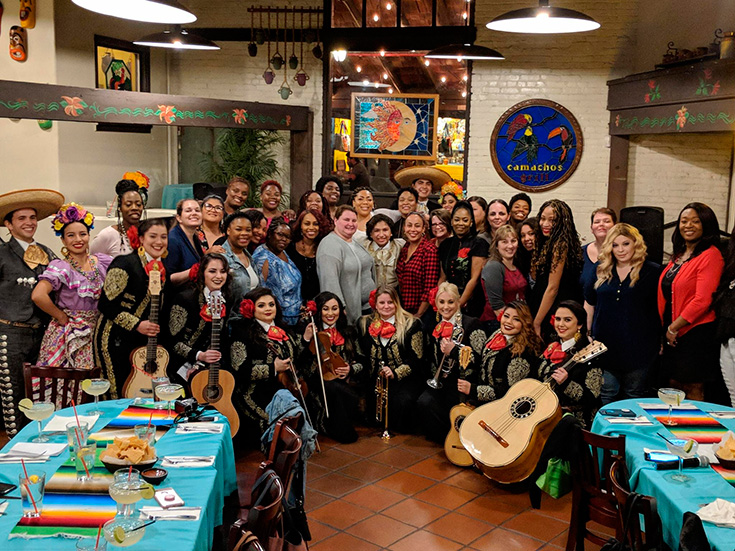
[[174, 193], [199, 487], [673, 499]]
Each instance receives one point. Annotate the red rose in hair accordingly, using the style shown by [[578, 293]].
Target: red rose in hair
[[463, 253], [247, 308], [552, 320], [133, 237], [432, 297], [373, 300], [194, 272], [311, 307]]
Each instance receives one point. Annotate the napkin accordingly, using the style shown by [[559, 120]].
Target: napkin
[[174, 513], [719, 512], [58, 423], [661, 405], [723, 414], [7, 458], [187, 461], [33, 448], [209, 428], [640, 420]]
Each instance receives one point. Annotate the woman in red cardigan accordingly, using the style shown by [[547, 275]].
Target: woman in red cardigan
[[685, 291]]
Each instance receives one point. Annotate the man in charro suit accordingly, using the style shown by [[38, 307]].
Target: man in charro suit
[[22, 324]]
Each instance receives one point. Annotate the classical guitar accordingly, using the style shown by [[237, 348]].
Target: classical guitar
[[150, 361], [213, 386], [453, 448], [505, 437]]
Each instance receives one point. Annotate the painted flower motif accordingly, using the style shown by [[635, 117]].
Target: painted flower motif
[[74, 106], [651, 84], [647, 98], [463, 253], [247, 308], [617, 120], [715, 88], [241, 115], [288, 120], [708, 74], [681, 117], [167, 113]]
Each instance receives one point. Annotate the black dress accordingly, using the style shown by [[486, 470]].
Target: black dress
[[307, 266], [434, 405], [124, 303], [455, 256], [405, 358], [500, 370]]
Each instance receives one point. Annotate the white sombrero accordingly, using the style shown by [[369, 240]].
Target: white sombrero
[[407, 176], [44, 201]]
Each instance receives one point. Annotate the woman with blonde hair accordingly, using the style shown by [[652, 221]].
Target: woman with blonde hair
[[392, 341], [624, 313], [455, 347]]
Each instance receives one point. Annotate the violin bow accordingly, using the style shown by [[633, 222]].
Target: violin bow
[[319, 361]]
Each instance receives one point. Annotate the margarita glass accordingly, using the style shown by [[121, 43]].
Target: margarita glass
[[671, 397], [37, 411], [96, 388], [169, 393]]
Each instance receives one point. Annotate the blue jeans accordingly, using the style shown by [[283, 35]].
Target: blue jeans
[[633, 385]]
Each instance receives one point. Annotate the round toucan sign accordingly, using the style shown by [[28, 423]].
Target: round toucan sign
[[536, 145]]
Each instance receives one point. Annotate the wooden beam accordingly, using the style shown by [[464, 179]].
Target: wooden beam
[[617, 183], [302, 152]]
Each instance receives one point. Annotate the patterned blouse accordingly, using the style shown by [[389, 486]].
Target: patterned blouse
[[284, 279], [385, 260], [417, 275], [75, 291]]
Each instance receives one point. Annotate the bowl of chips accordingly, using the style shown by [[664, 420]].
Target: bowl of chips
[[124, 452], [725, 451]]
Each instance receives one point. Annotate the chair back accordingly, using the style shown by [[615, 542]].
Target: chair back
[[59, 385], [644, 506], [265, 513]]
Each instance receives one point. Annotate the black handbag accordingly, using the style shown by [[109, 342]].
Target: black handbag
[[613, 544]]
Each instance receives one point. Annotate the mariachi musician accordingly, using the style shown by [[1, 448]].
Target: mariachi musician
[[449, 362], [22, 323], [340, 365], [125, 303], [262, 353], [393, 343]]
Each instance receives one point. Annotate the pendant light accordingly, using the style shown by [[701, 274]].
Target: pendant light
[[148, 11], [543, 20], [177, 38], [464, 51]]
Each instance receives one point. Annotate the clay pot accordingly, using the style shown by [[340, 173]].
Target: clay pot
[[285, 91], [252, 49], [301, 77], [269, 75]]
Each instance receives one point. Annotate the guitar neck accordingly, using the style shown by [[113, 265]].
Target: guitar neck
[[150, 353], [214, 345]]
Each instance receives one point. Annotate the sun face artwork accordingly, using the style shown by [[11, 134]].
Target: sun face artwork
[[394, 126]]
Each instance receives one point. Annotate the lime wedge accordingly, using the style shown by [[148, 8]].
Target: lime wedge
[[119, 534], [147, 491], [25, 403], [688, 446], [86, 384]]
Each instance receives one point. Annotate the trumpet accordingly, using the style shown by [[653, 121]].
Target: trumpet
[[381, 401], [442, 371]]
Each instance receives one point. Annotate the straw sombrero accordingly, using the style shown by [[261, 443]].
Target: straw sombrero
[[406, 176], [44, 201]]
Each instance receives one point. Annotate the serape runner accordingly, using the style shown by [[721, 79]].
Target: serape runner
[[139, 415], [692, 422]]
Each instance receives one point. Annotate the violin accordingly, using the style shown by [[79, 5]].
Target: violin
[[289, 379], [330, 359]]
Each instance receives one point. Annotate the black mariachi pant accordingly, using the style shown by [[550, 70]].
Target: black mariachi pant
[[21, 344]]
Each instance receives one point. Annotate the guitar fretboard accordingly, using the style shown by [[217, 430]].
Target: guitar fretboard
[[214, 345], [152, 346]]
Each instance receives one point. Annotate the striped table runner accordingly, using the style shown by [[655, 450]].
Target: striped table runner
[[691, 422]]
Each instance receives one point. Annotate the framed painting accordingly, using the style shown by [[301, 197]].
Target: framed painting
[[121, 65], [536, 145], [394, 126]]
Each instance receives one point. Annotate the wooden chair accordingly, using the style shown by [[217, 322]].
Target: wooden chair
[[49, 388], [592, 497], [644, 507], [284, 452], [264, 516]]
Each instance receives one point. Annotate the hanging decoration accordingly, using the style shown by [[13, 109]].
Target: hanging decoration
[[269, 74], [277, 59], [18, 43], [293, 61], [253, 47], [28, 14], [301, 77], [317, 50]]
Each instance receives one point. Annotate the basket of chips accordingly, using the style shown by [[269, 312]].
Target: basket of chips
[[725, 451], [124, 452]]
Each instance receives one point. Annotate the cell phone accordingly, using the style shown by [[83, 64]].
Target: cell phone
[[618, 412], [6, 488], [167, 498], [660, 457]]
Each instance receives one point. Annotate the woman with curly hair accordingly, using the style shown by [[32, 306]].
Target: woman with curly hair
[[363, 203], [114, 240], [312, 199], [271, 192], [382, 244], [556, 264], [392, 341], [624, 313], [307, 232]]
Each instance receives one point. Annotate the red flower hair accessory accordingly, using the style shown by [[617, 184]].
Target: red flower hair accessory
[[373, 300], [133, 237], [432, 297], [247, 308], [552, 320], [311, 307], [194, 272]]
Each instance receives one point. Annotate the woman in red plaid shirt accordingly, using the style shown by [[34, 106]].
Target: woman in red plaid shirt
[[418, 266]]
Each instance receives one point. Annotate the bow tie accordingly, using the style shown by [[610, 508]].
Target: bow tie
[[381, 328], [498, 342], [277, 334], [555, 353], [35, 256], [443, 330], [155, 265], [335, 337], [206, 313]]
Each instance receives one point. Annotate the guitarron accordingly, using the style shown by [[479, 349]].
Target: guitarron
[[453, 448], [213, 386], [150, 361], [505, 437]]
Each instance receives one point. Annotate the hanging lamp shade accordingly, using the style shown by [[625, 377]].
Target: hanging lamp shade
[[543, 19], [178, 39], [464, 51], [148, 11]]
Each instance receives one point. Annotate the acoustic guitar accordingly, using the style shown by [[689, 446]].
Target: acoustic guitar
[[505, 437], [453, 448], [150, 361], [213, 386]]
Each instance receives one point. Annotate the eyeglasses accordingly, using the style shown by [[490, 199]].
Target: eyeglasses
[[213, 207]]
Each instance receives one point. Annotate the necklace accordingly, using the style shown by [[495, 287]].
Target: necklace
[[95, 272], [124, 235]]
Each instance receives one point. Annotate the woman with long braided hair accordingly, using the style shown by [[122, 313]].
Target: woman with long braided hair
[[556, 264]]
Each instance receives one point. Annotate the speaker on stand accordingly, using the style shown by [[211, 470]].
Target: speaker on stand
[[650, 222]]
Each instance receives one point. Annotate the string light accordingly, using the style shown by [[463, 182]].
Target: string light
[[376, 17], [382, 53], [464, 15], [444, 79], [389, 6], [366, 82], [385, 76], [427, 62], [339, 55], [465, 78], [390, 90], [358, 69], [464, 94]]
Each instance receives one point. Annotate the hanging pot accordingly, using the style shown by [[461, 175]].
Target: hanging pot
[[269, 75], [252, 47], [277, 59], [260, 33], [309, 35], [293, 61], [285, 90], [317, 50], [301, 77]]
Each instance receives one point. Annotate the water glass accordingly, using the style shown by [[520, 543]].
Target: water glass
[[31, 493], [91, 544], [75, 434], [146, 433], [84, 461]]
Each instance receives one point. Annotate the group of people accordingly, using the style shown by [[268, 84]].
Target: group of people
[[339, 298]]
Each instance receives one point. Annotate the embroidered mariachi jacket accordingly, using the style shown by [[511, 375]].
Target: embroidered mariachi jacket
[[405, 358], [500, 370], [253, 365], [309, 364], [580, 393], [124, 303], [187, 332], [473, 335], [17, 281]]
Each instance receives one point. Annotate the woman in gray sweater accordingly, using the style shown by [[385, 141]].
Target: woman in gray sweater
[[344, 267]]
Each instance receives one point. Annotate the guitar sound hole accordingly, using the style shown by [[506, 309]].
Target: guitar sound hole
[[212, 393], [458, 422], [523, 407]]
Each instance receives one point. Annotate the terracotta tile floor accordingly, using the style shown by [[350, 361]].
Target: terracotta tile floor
[[405, 496]]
